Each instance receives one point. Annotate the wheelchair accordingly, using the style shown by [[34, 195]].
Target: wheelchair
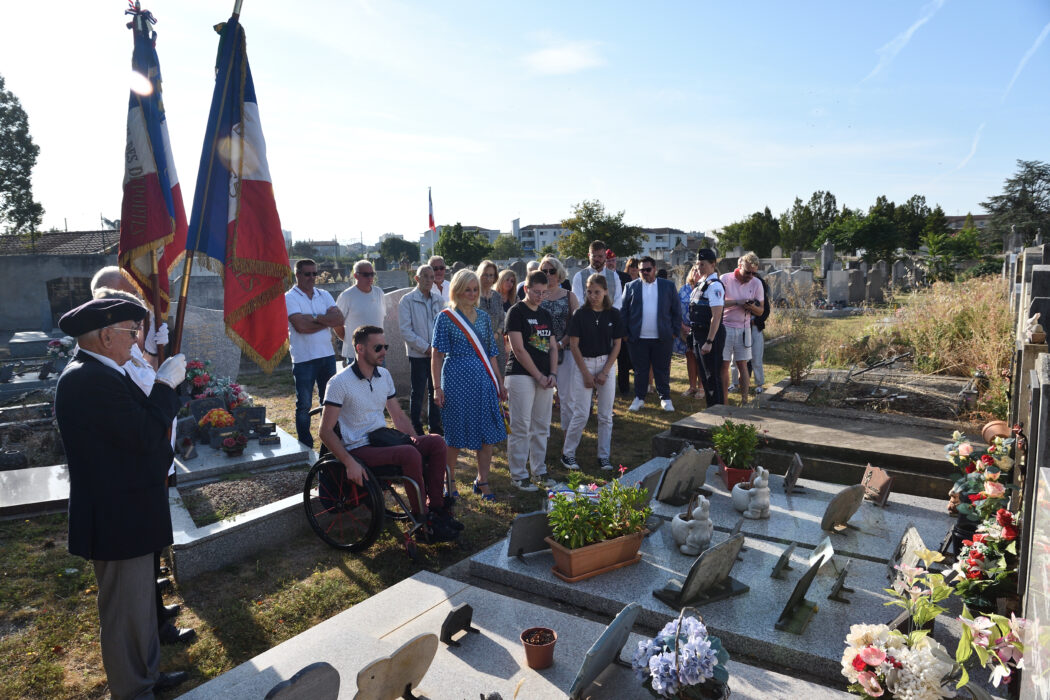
[[350, 517]]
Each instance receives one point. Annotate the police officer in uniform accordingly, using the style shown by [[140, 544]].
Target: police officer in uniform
[[117, 447], [705, 317]]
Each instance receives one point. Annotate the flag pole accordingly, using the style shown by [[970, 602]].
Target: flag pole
[[180, 315]]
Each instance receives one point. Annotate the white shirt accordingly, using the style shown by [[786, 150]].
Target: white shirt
[[650, 304], [361, 402], [108, 362], [308, 346], [360, 309], [443, 291]]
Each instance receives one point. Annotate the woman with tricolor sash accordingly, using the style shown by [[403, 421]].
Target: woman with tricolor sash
[[467, 383]]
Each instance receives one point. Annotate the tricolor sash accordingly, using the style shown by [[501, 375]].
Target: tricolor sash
[[475, 343]]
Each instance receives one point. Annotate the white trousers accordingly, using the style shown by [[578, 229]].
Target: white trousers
[[567, 374], [530, 418], [582, 407]]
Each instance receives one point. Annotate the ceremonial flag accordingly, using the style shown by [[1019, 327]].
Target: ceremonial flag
[[152, 218], [234, 218], [430, 199]]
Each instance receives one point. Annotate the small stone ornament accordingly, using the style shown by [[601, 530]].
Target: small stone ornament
[[692, 536], [758, 506]]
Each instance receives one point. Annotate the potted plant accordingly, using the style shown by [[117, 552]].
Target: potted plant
[[233, 445], [198, 377], [539, 647], [59, 351], [215, 419], [735, 446], [980, 490], [596, 529], [683, 661]]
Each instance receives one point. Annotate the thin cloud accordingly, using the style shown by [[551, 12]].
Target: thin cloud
[[567, 57], [973, 147], [889, 51], [1024, 60]]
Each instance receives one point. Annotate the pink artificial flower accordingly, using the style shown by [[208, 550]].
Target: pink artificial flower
[[994, 489], [979, 627], [966, 449], [870, 683], [593, 487], [992, 476], [872, 656]]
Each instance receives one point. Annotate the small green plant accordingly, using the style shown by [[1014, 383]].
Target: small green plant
[[736, 443], [590, 514]]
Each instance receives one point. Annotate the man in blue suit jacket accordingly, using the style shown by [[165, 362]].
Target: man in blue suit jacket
[[653, 315]]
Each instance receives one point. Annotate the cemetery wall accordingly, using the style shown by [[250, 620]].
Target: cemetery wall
[[24, 289]]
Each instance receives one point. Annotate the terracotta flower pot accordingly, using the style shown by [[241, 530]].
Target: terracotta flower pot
[[733, 476], [572, 565], [539, 647], [994, 429]]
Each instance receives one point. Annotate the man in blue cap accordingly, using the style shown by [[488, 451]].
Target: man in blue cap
[[118, 451]]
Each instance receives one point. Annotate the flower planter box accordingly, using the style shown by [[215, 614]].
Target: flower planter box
[[732, 476], [572, 565]]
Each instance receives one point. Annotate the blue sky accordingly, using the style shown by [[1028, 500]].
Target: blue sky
[[683, 114]]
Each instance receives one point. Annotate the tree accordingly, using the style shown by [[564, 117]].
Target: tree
[[910, 218], [456, 245], [18, 212], [546, 250], [825, 211], [759, 232], [947, 248], [798, 227], [589, 222], [1024, 205], [394, 249], [302, 249], [507, 247]]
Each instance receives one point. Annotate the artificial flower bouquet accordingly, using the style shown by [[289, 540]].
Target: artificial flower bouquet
[[60, 348], [980, 489], [995, 641], [683, 661], [987, 564], [198, 376], [216, 418], [918, 591], [880, 662], [588, 513], [234, 444]]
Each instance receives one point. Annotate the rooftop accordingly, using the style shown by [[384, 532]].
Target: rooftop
[[62, 243]]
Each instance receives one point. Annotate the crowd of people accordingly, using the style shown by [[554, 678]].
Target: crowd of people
[[490, 357]]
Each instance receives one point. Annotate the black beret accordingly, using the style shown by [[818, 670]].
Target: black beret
[[706, 254], [99, 313]]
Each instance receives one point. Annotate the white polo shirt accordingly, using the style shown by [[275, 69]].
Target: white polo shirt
[[308, 346], [361, 402], [360, 309]]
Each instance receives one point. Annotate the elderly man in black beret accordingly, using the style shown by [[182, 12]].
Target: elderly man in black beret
[[118, 451]]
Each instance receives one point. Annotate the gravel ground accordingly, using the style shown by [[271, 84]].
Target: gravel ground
[[219, 500]]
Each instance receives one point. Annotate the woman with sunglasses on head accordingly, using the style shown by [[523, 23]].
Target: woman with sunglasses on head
[[507, 286], [561, 305], [491, 303], [467, 386]]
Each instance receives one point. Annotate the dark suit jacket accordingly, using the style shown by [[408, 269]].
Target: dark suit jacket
[[117, 447], [668, 311]]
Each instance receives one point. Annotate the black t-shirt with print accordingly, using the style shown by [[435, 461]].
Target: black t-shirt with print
[[535, 329]]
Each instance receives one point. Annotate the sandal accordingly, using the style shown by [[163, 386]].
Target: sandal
[[484, 496]]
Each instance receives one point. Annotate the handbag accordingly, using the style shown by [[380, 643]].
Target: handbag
[[388, 437]]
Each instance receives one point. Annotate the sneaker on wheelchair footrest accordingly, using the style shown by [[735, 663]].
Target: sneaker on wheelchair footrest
[[437, 530], [444, 514]]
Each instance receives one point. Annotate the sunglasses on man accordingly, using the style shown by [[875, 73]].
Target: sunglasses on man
[[134, 331], [365, 274], [309, 274], [438, 269], [378, 348]]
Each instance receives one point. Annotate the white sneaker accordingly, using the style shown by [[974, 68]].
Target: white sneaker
[[636, 405], [666, 405], [759, 390], [732, 388], [525, 485]]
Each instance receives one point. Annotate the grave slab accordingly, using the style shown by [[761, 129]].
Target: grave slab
[[492, 661], [27, 382], [211, 462], [33, 491], [29, 344], [796, 517], [745, 623]]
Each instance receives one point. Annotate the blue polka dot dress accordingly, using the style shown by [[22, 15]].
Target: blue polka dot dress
[[471, 414]]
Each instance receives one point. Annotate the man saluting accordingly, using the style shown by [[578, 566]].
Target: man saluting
[[118, 451]]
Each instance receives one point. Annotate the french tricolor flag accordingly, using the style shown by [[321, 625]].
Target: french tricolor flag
[[152, 218], [430, 199], [234, 219]]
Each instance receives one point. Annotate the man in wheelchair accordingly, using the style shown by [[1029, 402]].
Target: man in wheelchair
[[355, 400]]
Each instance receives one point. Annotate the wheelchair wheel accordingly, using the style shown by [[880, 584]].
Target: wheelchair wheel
[[343, 514]]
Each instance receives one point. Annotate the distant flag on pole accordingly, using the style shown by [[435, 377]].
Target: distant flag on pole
[[430, 199], [152, 217], [234, 218]]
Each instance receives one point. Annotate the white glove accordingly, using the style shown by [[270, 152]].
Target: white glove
[[172, 371], [155, 338]]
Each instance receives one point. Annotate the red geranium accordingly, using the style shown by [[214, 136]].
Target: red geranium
[[974, 497]]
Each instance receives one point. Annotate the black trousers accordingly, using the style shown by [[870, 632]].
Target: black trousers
[[710, 365], [623, 369]]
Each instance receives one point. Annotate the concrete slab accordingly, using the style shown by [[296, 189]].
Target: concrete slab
[[796, 517], [29, 344], [492, 661], [211, 462], [745, 623], [25, 383], [34, 491]]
